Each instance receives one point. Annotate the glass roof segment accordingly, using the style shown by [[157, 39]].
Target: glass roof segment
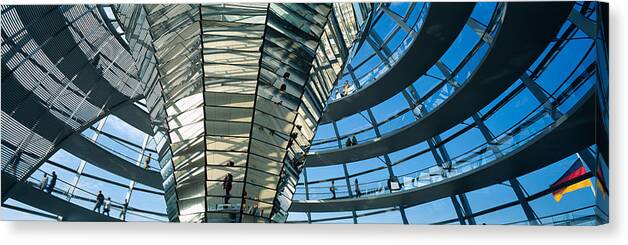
[[62, 71]]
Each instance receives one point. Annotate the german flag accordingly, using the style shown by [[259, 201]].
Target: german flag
[[576, 170]]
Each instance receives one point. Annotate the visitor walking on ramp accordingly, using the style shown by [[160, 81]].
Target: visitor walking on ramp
[[53, 182], [107, 206], [44, 182], [100, 198]]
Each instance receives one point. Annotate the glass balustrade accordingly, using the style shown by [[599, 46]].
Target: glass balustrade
[[125, 151]]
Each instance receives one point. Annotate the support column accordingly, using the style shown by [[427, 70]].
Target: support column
[[380, 43], [404, 218], [467, 209], [344, 165], [399, 20], [386, 160], [346, 172], [479, 29], [378, 134], [527, 209], [458, 209], [378, 52], [587, 26], [375, 128], [307, 194]]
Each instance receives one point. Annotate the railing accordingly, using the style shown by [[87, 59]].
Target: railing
[[75, 194], [434, 97], [581, 216], [561, 218], [66, 191], [130, 160]]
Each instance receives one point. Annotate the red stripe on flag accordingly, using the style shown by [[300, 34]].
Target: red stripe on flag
[[575, 174]]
